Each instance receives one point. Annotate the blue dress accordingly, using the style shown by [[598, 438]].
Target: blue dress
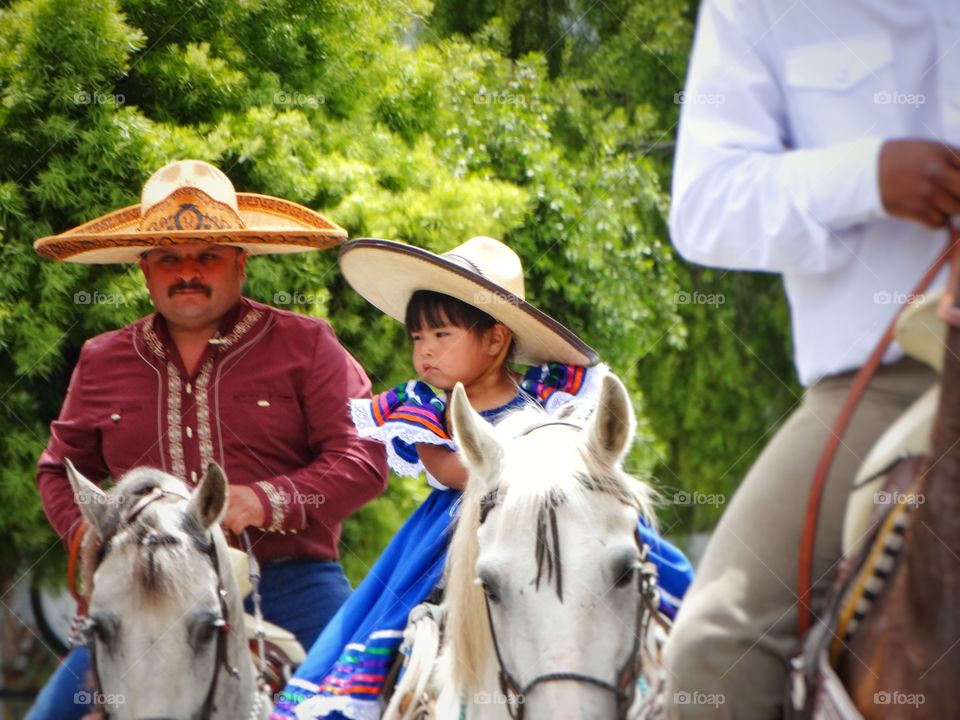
[[345, 670]]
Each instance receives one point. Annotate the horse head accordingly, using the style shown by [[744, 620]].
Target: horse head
[[543, 587], [165, 628]]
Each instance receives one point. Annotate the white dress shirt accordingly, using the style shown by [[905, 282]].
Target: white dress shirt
[[786, 107]]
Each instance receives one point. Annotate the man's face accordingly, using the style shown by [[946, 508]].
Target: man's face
[[193, 286]]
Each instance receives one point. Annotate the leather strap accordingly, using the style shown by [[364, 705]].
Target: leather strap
[[72, 558], [860, 383]]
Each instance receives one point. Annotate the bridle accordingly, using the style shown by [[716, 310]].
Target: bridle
[[222, 625], [629, 672]]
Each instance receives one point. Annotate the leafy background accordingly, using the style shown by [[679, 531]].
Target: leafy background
[[548, 124]]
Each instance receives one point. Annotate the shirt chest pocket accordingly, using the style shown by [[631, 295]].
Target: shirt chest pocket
[[127, 440], [270, 416], [843, 90]]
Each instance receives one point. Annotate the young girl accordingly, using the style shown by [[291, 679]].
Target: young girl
[[467, 319]]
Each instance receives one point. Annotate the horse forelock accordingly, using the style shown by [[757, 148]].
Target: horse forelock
[[160, 538], [556, 465]]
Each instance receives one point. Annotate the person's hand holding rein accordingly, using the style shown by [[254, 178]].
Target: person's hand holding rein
[[920, 180], [243, 510]]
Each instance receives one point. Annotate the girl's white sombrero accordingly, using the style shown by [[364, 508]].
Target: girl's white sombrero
[[482, 272]]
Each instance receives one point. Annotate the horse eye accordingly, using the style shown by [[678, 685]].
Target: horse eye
[[490, 591], [209, 630], [103, 627], [205, 628], [489, 586], [626, 575]]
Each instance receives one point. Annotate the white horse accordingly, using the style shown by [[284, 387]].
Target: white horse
[[166, 628], [547, 595]]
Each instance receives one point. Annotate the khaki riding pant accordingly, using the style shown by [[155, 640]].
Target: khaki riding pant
[[727, 655]]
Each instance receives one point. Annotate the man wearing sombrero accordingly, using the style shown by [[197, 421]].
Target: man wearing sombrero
[[213, 376]]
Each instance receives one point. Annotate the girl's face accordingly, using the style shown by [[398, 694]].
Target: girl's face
[[446, 355]]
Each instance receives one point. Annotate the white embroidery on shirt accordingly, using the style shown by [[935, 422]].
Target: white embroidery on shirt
[[202, 387], [175, 421], [277, 502]]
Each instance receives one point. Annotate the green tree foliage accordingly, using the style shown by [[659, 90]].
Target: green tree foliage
[[717, 379], [534, 122]]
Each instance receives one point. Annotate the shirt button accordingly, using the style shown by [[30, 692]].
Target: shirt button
[[189, 431], [115, 417], [189, 388], [193, 476], [263, 403]]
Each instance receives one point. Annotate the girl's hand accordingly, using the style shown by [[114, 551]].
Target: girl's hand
[[443, 464]]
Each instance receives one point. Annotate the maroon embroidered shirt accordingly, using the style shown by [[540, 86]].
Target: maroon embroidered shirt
[[268, 402]]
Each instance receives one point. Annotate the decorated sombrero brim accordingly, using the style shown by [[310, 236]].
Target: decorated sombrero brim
[[387, 273], [269, 225]]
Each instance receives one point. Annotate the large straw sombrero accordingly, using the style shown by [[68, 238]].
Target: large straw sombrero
[[482, 272], [190, 201]]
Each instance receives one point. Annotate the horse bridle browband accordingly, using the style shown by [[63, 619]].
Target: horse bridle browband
[[223, 625], [630, 671], [548, 423]]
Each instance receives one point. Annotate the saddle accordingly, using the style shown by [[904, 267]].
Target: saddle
[[815, 690], [874, 523]]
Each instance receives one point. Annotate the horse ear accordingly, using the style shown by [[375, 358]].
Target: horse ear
[[209, 500], [91, 500], [479, 450], [611, 428]]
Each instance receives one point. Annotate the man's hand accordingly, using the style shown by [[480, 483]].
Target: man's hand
[[243, 509], [920, 180]]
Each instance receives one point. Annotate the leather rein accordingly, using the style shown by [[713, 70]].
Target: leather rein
[[628, 674], [949, 313], [223, 625]]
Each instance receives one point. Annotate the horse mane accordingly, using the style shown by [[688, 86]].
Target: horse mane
[[159, 549], [467, 626]]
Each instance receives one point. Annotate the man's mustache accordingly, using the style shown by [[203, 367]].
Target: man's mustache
[[191, 286]]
